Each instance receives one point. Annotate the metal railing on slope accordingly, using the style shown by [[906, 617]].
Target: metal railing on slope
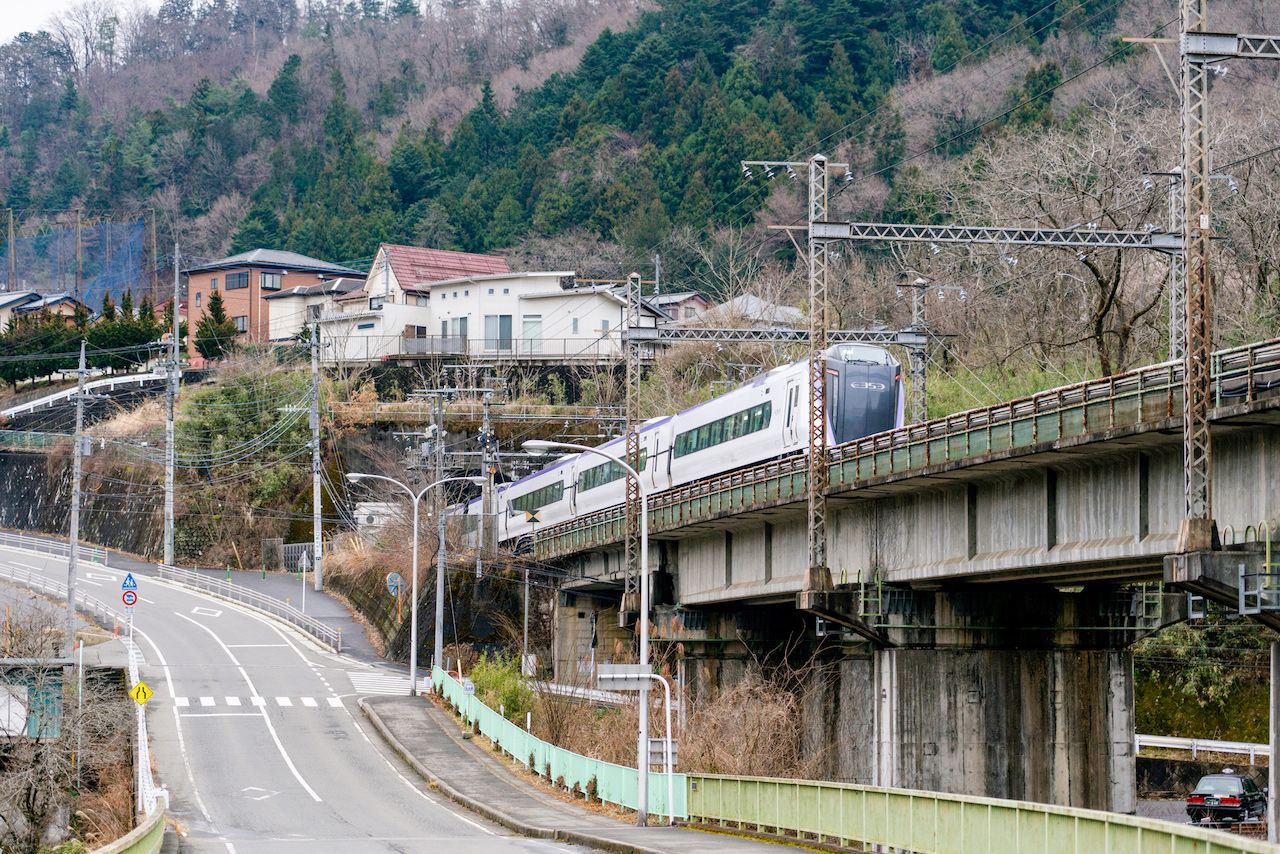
[[326, 634], [937, 823], [107, 383], [1207, 745], [614, 784], [1148, 395], [57, 548]]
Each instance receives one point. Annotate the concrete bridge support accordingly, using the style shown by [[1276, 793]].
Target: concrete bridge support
[[1021, 691]]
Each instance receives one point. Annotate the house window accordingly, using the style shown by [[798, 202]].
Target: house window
[[213, 283], [460, 327], [455, 294], [365, 326], [235, 281], [375, 303], [506, 291], [443, 295], [466, 293], [198, 295], [497, 332], [270, 281], [242, 322], [313, 311], [421, 300], [604, 326], [574, 324], [490, 291]]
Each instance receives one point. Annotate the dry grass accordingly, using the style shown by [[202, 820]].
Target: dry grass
[[147, 418]]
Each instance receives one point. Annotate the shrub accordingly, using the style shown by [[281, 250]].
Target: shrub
[[499, 685]]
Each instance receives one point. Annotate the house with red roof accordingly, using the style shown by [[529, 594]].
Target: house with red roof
[[430, 303]]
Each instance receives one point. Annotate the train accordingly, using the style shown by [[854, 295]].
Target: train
[[763, 419]]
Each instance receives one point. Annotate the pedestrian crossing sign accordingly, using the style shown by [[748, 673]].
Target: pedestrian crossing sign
[[141, 693], [129, 583]]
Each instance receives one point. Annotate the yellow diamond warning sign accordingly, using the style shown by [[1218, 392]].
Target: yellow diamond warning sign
[[141, 693]]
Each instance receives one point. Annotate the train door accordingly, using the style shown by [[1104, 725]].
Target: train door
[[791, 417]]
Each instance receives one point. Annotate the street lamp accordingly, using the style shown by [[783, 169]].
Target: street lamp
[[642, 744], [413, 610]]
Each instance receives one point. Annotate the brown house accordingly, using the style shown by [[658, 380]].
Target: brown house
[[245, 280]]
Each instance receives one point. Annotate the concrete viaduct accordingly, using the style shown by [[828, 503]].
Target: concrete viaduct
[[991, 570]]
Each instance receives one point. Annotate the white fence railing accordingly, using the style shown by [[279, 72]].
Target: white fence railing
[[1206, 745], [57, 548], [326, 634], [148, 792], [66, 394]]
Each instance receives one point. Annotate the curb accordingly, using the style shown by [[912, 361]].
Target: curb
[[495, 815]]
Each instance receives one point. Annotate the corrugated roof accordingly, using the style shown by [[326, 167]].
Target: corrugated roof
[[11, 297], [328, 286], [277, 259], [415, 266]]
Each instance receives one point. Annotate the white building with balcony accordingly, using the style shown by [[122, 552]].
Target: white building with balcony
[[540, 317]]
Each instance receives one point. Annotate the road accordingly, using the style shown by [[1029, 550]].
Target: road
[[256, 734]]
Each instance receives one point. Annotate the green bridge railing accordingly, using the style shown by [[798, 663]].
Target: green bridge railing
[[935, 823], [1143, 399]]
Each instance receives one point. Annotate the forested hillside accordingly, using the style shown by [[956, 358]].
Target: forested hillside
[[327, 127]]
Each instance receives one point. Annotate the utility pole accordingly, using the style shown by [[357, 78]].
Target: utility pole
[[77, 457], [488, 444], [918, 357], [819, 576], [171, 401], [631, 341], [79, 258], [437, 405], [13, 265], [657, 273], [317, 533]]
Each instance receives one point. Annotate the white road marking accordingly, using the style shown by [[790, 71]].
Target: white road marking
[[90, 583], [381, 682], [206, 701], [258, 701], [221, 715], [182, 745], [283, 701], [309, 702], [182, 701], [206, 612], [102, 576], [150, 601], [256, 645], [265, 718], [336, 702], [232, 701]]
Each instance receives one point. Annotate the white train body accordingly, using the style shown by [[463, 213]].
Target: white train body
[[766, 418]]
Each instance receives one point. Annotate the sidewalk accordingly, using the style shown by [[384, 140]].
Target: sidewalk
[[431, 742]]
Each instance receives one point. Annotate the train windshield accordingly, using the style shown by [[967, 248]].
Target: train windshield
[[864, 353]]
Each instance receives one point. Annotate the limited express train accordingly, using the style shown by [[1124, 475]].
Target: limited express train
[[765, 418]]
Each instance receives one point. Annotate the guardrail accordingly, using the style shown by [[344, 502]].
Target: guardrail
[[936, 823], [326, 634], [1240, 748], [57, 548], [1134, 400], [108, 383], [614, 784], [85, 603], [148, 793]]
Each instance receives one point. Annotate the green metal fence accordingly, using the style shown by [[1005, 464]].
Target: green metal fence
[[934, 823], [614, 784], [26, 440]]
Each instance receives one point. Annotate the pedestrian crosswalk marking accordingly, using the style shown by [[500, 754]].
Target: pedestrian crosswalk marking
[[259, 702], [382, 682]]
